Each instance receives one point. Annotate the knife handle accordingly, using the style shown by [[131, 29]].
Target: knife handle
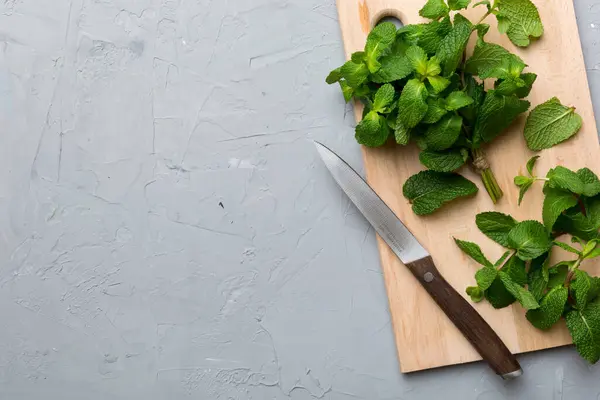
[[467, 320]]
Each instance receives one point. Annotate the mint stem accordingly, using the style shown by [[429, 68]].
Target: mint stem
[[487, 175]]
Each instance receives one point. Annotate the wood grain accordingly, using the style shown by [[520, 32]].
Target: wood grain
[[425, 338]]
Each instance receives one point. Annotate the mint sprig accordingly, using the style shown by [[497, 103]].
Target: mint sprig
[[549, 292]]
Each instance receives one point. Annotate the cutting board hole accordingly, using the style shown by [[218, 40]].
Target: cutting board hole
[[389, 17]]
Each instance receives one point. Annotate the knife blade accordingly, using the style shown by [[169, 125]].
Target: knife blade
[[414, 256]]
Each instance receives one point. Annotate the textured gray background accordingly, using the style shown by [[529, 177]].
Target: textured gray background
[[166, 229]]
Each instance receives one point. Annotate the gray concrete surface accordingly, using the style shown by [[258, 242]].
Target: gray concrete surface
[[166, 230]]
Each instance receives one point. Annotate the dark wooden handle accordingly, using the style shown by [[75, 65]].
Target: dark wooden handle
[[466, 319]]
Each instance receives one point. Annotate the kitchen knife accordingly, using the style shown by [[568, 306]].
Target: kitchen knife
[[419, 262]]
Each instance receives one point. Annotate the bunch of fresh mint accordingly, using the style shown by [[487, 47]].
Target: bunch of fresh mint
[[524, 273], [418, 85]]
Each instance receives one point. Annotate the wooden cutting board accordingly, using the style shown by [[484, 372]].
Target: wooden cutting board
[[425, 338]]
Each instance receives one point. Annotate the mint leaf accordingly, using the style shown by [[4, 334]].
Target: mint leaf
[[530, 239], [334, 76], [476, 293], [474, 251], [523, 21], [591, 249], [383, 98], [435, 111], [458, 4], [584, 289], [418, 59], [347, 91], [412, 105], [496, 226], [538, 276], [591, 184], [395, 65], [372, 131], [401, 134], [555, 202], [443, 134], [584, 326], [558, 273], [355, 74], [519, 86], [515, 269], [493, 61], [564, 178], [434, 9], [580, 225], [521, 294], [497, 113], [551, 123], [498, 296], [442, 161], [477, 93], [432, 34], [453, 45], [485, 277], [379, 41], [524, 184], [529, 79], [429, 190], [531, 164], [551, 308], [502, 258], [457, 100], [438, 83], [566, 247]]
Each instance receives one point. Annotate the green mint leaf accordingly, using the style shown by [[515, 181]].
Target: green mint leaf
[[584, 289], [432, 34], [503, 24], [523, 21], [334, 76], [418, 59], [485, 277], [530, 239], [474, 251], [482, 30], [435, 111], [433, 67], [483, 2], [538, 276], [458, 4], [434, 9], [383, 98], [395, 65], [521, 294], [531, 164], [496, 226], [564, 178], [458, 100], [498, 296], [379, 42], [442, 161], [347, 91], [580, 225], [358, 57], [453, 45], [567, 247], [555, 202], [497, 113], [557, 274], [477, 93], [502, 258], [372, 131], [551, 123], [438, 83], [529, 79], [524, 185], [429, 190], [551, 309], [515, 269], [493, 61], [354, 74], [584, 326], [443, 134], [592, 249], [476, 293], [412, 105], [401, 134], [591, 184]]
